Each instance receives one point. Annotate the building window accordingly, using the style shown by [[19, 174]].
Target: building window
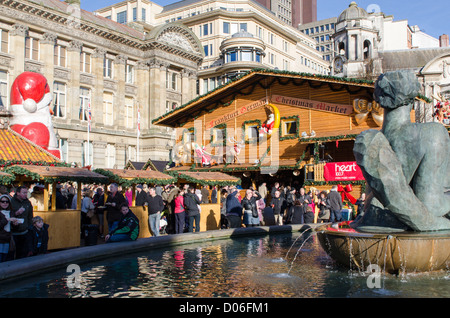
[[251, 131], [59, 56], [85, 62], [207, 29], [129, 112], [207, 49], [108, 108], [110, 156], [4, 41], [85, 100], [289, 127], [108, 68], [59, 99], [226, 27], [3, 90], [129, 74], [171, 80], [31, 48], [144, 14], [122, 17]]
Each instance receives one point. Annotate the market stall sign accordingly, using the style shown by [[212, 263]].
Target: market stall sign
[[342, 171], [238, 112], [313, 104]]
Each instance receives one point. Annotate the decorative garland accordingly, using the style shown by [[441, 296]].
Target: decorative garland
[[16, 170], [222, 127], [361, 183], [7, 163], [189, 179], [249, 122], [329, 138], [296, 135], [128, 183]]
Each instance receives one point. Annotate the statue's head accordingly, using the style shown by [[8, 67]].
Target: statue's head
[[395, 89]]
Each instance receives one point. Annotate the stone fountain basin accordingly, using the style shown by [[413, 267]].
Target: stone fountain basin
[[394, 253]]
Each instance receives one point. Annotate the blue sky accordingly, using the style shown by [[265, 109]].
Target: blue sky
[[432, 16]]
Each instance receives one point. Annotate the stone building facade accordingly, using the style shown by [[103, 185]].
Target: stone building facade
[[115, 69]]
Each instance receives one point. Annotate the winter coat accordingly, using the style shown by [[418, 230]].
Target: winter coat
[[155, 204], [334, 201], [251, 204], [234, 207], [27, 215], [277, 204], [114, 213], [38, 239], [190, 204], [5, 236], [129, 225]]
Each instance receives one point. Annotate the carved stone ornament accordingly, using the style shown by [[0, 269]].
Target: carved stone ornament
[[20, 29], [49, 38], [176, 39]]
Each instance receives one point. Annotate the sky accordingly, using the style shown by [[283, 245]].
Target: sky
[[432, 16]]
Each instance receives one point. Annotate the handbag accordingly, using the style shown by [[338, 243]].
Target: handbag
[[90, 213]]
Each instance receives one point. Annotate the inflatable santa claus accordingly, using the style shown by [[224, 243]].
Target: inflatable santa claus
[[30, 107], [267, 127]]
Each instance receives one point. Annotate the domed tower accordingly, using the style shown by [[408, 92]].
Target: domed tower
[[355, 42]]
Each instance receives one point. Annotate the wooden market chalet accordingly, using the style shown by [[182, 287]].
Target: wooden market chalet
[[317, 119]]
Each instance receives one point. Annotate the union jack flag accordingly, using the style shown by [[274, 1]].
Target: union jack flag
[[89, 116]]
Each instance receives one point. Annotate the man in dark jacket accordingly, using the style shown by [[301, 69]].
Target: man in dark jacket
[[234, 210], [141, 196], [155, 207], [128, 228], [335, 202], [191, 200], [113, 202], [22, 211], [277, 205]]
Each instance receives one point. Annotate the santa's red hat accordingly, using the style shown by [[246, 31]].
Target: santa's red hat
[[29, 89]]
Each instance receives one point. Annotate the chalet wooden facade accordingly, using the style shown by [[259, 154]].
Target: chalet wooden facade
[[316, 120]]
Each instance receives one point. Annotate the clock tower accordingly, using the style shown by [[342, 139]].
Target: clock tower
[[355, 43]]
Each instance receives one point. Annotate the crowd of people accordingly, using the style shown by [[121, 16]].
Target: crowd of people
[[171, 210]]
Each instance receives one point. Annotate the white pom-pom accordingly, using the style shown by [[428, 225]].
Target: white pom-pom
[[30, 105]]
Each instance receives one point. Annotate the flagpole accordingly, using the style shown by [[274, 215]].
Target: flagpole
[[138, 130], [88, 134]]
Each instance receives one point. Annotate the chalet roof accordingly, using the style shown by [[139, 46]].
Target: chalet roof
[[56, 173], [130, 177], [225, 93], [206, 178], [14, 147]]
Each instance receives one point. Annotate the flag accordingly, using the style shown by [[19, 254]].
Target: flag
[[89, 116]]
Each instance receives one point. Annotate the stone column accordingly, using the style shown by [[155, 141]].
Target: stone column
[[119, 75], [143, 76], [97, 99], [193, 76], [17, 45], [185, 87], [99, 158], [75, 150], [73, 89], [47, 47]]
